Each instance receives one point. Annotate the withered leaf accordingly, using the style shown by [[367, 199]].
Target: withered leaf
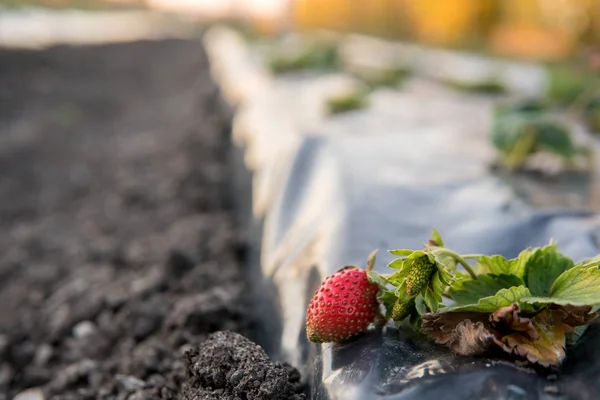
[[466, 334], [508, 318], [576, 315], [471, 339], [549, 349]]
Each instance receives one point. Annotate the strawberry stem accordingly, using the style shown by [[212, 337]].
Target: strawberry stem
[[466, 266], [472, 256], [460, 259]]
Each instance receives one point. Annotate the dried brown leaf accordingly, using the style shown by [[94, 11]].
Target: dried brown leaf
[[440, 326], [508, 318], [549, 349], [576, 315], [471, 339], [466, 334]]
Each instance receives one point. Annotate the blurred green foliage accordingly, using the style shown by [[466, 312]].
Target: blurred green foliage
[[350, 101], [568, 82], [490, 86], [315, 54], [383, 77], [524, 128], [591, 114]]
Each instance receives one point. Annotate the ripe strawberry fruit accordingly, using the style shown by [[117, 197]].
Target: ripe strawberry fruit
[[343, 306]]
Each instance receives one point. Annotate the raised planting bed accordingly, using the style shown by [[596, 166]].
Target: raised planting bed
[[120, 250], [330, 188]]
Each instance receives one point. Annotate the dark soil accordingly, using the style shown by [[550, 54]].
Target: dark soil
[[229, 367], [118, 245]]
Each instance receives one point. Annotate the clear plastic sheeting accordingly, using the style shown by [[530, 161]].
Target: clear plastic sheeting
[[383, 177]]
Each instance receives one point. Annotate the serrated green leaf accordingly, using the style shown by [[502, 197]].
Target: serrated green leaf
[[400, 292], [398, 263], [446, 278], [503, 298], [470, 291], [436, 237], [431, 300], [397, 277], [493, 265], [590, 262], [518, 265], [433, 294], [401, 252], [543, 267], [578, 286], [498, 265]]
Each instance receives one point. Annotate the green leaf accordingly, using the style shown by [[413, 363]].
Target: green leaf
[[503, 298], [494, 265], [590, 262], [578, 286], [379, 279], [470, 291], [445, 277], [543, 267], [555, 137], [436, 237], [397, 277], [443, 260], [420, 304], [431, 300], [398, 263], [518, 265], [433, 294], [498, 265], [404, 263], [401, 252], [400, 292], [388, 299], [519, 134]]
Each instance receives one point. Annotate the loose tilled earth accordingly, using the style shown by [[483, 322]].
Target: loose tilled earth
[[119, 253]]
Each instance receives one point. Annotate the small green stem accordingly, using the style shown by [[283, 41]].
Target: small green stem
[[460, 260], [472, 256], [467, 266]]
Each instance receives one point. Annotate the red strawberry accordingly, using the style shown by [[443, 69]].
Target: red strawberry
[[343, 306]]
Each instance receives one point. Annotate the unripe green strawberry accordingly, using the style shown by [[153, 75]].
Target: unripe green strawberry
[[343, 306], [403, 309], [419, 274]]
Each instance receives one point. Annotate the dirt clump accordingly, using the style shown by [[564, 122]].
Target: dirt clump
[[228, 366]]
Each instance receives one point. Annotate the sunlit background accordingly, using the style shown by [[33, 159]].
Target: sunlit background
[[528, 29]]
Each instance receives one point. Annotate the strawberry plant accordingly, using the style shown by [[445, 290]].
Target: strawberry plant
[[525, 128], [530, 307]]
